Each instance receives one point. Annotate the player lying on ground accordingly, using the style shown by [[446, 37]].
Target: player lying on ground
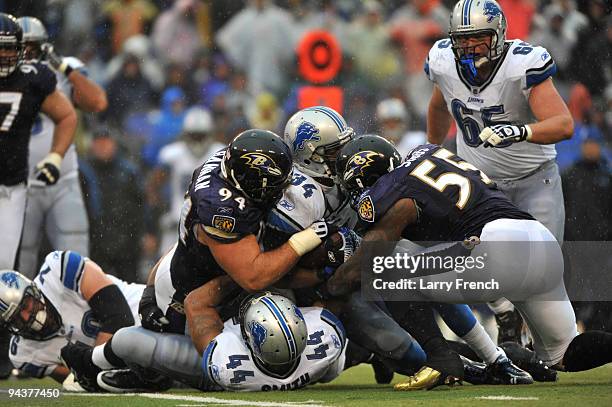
[[435, 196], [71, 299]]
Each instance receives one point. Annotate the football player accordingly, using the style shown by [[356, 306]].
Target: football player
[[315, 136], [25, 90], [434, 196], [508, 114], [70, 300], [57, 209], [177, 161]]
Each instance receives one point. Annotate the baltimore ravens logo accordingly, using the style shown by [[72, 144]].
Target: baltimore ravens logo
[[359, 161], [224, 223], [10, 279], [491, 10], [365, 209], [305, 132], [259, 334], [262, 162]]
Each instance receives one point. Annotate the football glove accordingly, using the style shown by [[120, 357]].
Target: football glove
[[309, 238], [494, 135], [151, 317], [339, 250], [48, 169], [55, 60]]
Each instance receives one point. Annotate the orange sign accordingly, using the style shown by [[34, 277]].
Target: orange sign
[[319, 57], [330, 96]]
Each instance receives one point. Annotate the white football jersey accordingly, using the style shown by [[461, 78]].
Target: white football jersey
[[180, 161], [302, 203], [228, 361], [503, 98], [42, 132], [59, 279]]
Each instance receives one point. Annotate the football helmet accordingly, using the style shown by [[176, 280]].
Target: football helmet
[[362, 161], [11, 48], [34, 36], [315, 135], [24, 309], [472, 19], [197, 130], [258, 163], [274, 328], [392, 117]]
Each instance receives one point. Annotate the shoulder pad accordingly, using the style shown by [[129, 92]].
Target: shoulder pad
[[533, 63], [71, 266], [440, 54]]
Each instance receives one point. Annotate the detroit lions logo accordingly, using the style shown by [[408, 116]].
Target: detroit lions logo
[[491, 10], [259, 334], [305, 132], [10, 279], [263, 163]]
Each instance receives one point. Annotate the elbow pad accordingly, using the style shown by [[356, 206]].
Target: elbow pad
[[111, 309]]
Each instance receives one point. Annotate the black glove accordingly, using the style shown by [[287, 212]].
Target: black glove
[[48, 169], [55, 60], [494, 135], [151, 317]]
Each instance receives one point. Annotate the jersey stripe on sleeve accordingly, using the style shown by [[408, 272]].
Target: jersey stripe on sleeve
[[72, 268]]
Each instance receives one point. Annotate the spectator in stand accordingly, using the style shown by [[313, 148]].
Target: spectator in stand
[[592, 58], [217, 83], [128, 18], [573, 20], [264, 113], [555, 39], [138, 47], [587, 188], [114, 199], [166, 126], [417, 25], [175, 34], [128, 92], [260, 40], [369, 43]]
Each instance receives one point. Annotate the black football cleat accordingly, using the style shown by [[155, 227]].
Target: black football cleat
[[474, 372], [77, 357], [528, 361], [130, 381], [503, 371]]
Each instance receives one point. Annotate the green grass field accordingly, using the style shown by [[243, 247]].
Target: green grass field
[[354, 388]]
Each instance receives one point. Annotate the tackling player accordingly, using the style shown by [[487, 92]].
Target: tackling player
[[70, 300], [57, 209], [508, 114], [25, 90], [437, 197]]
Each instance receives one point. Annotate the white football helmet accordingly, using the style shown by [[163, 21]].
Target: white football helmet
[[274, 329], [315, 135], [18, 293], [34, 35]]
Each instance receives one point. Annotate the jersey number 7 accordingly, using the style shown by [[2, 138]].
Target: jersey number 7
[[14, 100]]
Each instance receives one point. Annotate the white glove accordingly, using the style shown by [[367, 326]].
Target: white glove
[[55, 60], [48, 169], [309, 238], [494, 135]]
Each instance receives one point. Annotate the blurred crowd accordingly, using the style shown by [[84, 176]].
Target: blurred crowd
[[236, 60]]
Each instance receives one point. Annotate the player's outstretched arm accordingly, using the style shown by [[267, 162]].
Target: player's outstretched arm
[[202, 317], [86, 94], [253, 269], [438, 117], [106, 301], [555, 121], [389, 228]]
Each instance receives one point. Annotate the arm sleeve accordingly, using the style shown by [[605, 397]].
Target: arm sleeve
[[111, 308]]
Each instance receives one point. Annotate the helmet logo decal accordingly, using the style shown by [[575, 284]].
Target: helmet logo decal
[[359, 161], [491, 10], [305, 132], [10, 279], [259, 334], [365, 209], [263, 163]]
